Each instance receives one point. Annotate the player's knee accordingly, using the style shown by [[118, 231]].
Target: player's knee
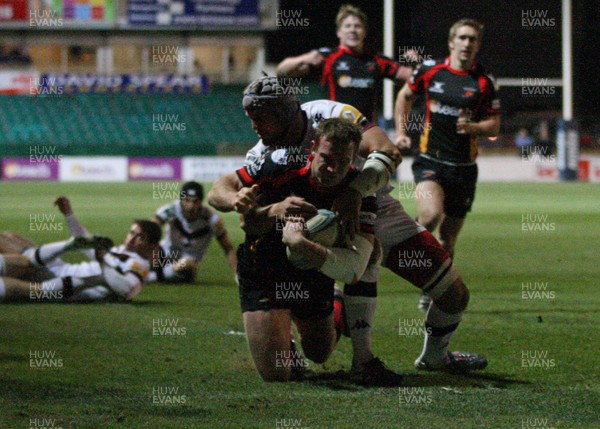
[[319, 351], [430, 219], [186, 269], [455, 299], [448, 245]]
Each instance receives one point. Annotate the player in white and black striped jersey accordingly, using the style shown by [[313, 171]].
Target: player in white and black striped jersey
[[190, 227], [113, 272]]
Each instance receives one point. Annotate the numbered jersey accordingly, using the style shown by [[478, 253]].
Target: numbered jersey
[[185, 238]]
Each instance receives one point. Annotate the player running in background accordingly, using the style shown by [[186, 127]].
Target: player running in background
[[273, 290], [189, 229], [113, 273], [351, 73], [461, 107], [281, 123]]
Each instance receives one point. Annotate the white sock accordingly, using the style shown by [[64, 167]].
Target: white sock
[[2, 289], [440, 327], [2, 266], [360, 311], [169, 272], [46, 252]]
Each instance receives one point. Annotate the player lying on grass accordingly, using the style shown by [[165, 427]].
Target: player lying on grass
[[113, 272], [273, 291], [280, 121], [189, 229]]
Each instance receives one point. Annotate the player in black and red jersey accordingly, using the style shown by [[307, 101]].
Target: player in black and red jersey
[[461, 107], [273, 291], [351, 73]]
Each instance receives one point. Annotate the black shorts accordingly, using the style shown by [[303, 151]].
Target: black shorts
[[458, 183], [306, 300]]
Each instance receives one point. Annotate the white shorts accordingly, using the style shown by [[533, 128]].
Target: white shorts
[[393, 225], [83, 269]]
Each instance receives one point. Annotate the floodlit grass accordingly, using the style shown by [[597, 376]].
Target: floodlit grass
[[115, 372]]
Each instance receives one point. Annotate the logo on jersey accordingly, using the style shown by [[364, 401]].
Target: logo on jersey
[[342, 66], [279, 157], [139, 269], [443, 109], [350, 113], [254, 168], [469, 92], [346, 81], [437, 87]]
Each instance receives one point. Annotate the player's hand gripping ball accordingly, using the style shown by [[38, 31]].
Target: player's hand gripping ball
[[323, 228]]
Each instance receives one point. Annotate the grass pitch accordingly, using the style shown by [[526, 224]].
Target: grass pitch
[[528, 252]]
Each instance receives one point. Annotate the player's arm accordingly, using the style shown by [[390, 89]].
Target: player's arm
[[489, 124], [411, 58], [300, 65], [225, 243], [382, 159], [126, 284], [403, 106], [76, 229], [487, 127], [263, 219], [403, 74], [228, 193], [346, 264], [158, 220], [164, 214]]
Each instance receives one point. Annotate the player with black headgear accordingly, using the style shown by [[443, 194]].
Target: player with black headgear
[[190, 227]]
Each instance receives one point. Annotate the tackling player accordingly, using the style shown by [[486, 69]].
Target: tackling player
[[190, 227], [273, 290], [461, 107], [351, 73], [281, 122]]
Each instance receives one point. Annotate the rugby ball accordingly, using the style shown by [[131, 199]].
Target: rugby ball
[[322, 228]]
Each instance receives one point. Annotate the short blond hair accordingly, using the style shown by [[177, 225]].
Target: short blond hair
[[478, 26], [349, 10]]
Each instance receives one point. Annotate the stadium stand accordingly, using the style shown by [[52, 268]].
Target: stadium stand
[[123, 124]]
